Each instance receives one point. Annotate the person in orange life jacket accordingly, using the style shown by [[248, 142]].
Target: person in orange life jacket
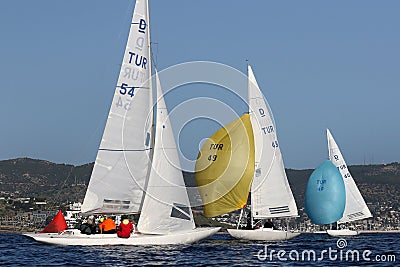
[[125, 228], [107, 226]]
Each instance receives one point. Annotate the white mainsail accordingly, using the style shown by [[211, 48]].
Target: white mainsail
[[166, 208], [355, 209], [122, 172], [122, 162], [271, 195]]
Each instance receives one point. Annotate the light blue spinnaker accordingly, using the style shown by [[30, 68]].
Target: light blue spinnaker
[[325, 197]]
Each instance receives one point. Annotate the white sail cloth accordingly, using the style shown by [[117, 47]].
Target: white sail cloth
[[271, 195], [122, 162], [166, 208], [356, 208]]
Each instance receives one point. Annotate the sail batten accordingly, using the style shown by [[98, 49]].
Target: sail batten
[[356, 208], [130, 115]]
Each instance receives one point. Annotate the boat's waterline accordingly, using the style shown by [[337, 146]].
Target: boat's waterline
[[262, 234], [75, 238], [342, 232]]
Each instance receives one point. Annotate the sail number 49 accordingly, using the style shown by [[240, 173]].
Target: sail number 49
[[212, 158], [214, 147]]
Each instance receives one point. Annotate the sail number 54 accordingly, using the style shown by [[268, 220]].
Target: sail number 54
[[124, 90], [120, 103]]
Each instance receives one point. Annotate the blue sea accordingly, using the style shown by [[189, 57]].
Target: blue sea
[[305, 250]]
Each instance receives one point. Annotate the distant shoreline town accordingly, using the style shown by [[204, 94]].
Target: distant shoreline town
[[32, 191]]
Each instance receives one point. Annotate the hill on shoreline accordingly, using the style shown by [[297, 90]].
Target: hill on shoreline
[[25, 177]]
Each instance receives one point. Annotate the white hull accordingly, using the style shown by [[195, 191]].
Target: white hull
[[319, 232], [342, 232], [265, 234], [75, 238]]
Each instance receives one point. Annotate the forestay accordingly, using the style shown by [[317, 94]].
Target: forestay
[[122, 162], [166, 208], [355, 209], [271, 195]]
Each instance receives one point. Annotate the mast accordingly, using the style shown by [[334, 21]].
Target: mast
[[151, 104]]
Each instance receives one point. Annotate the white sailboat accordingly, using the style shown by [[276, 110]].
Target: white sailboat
[[356, 208], [236, 167], [271, 196], [128, 176]]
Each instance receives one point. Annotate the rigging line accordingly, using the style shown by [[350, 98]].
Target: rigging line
[[80, 155], [125, 150], [57, 197], [154, 56], [121, 37], [240, 218], [128, 16], [132, 87]]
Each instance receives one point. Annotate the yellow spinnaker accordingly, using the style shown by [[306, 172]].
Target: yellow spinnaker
[[225, 167]]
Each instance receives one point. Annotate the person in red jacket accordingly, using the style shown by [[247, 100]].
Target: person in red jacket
[[125, 228]]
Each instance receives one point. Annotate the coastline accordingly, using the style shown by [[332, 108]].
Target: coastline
[[378, 231], [223, 231], [362, 232]]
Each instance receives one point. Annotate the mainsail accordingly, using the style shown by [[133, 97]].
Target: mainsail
[[166, 208], [122, 162], [225, 167], [356, 209], [271, 195]]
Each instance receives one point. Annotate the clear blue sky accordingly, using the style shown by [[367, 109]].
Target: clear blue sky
[[320, 64]]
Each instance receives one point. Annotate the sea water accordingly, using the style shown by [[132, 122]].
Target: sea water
[[375, 249]]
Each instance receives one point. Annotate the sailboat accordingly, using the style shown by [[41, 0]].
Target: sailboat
[[245, 156], [356, 208], [135, 171]]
